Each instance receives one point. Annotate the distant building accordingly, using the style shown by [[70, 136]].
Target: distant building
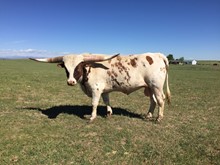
[[190, 62], [177, 62], [194, 62]]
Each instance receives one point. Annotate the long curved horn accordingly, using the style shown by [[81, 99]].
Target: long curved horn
[[97, 57], [49, 60]]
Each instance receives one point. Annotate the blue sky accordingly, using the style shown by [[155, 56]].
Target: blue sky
[[188, 28]]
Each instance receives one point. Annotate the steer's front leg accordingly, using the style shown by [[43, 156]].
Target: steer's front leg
[[95, 101]]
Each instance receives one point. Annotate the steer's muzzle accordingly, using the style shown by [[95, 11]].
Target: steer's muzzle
[[71, 82]]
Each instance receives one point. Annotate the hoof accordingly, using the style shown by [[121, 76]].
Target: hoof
[[159, 119], [89, 118], [149, 116], [109, 114], [92, 118], [90, 121]]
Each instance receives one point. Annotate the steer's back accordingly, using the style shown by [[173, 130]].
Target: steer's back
[[126, 73]]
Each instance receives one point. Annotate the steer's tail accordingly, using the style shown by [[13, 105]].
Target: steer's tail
[[168, 94]]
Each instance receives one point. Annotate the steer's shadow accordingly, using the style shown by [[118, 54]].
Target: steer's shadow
[[82, 110]]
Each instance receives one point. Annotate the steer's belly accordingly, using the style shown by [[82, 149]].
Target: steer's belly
[[125, 87], [129, 90]]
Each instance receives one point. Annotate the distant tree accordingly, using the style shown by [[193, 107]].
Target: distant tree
[[170, 57], [181, 59]]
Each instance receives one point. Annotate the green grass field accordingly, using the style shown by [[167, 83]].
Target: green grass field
[[42, 120]]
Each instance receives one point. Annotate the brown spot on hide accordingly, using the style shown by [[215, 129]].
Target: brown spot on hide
[[150, 60], [120, 64], [115, 74], [116, 81], [109, 73], [163, 69], [116, 64], [133, 62], [112, 74], [120, 68]]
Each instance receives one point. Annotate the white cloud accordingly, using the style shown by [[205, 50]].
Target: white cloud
[[17, 42], [26, 53]]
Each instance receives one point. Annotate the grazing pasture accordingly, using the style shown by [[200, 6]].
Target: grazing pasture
[[42, 120]]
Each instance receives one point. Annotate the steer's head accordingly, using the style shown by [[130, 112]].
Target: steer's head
[[70, 62]]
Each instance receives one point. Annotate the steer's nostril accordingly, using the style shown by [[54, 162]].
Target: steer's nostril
[[71, 83]]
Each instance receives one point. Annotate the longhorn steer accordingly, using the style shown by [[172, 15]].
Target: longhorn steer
[[100, 75]]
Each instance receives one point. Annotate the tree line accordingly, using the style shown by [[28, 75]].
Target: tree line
[[171, 58]]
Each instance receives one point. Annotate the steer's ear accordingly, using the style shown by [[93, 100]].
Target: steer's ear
[[61, 65], [78, 72]]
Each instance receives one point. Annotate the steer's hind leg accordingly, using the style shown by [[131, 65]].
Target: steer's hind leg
[[149, 93], [105, 97], [160, 98]]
